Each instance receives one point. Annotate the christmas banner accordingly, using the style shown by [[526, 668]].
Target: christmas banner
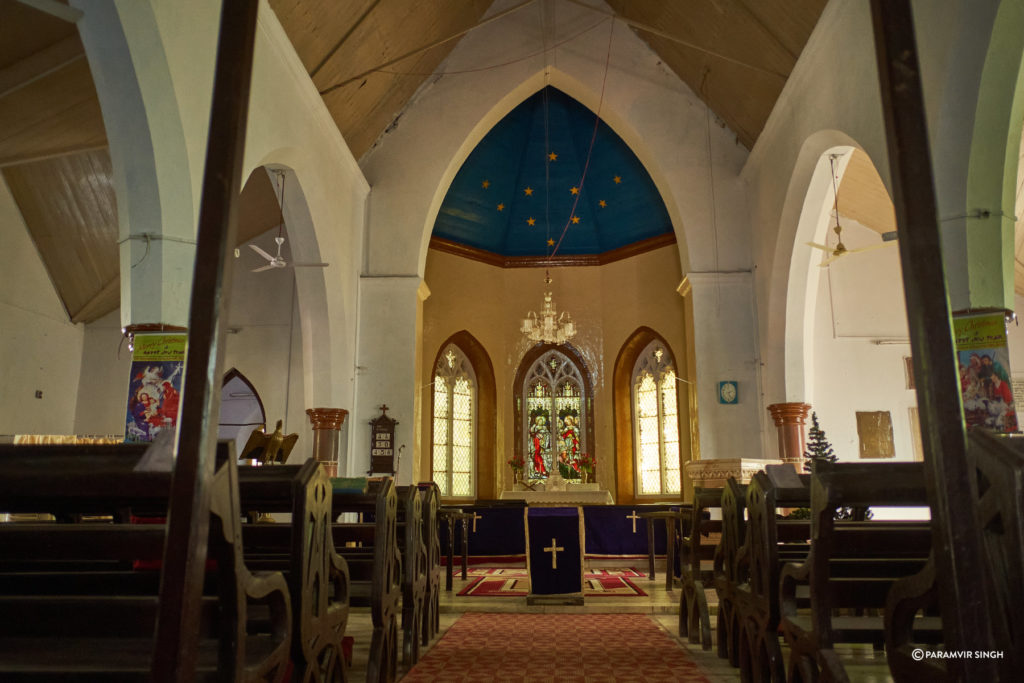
[[154, 390], [984, 361]]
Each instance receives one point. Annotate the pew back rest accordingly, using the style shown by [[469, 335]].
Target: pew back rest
[[318, 577], [733, 532], [764, 499], [999, 462], [101, 480], [697, 544]]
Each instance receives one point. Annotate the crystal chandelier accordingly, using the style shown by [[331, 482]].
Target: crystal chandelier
[[549, 327]]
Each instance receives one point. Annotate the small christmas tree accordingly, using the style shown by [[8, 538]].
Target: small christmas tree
[[820, 450], [818, 447]]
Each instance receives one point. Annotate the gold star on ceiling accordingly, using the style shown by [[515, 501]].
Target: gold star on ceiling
[[531, 221], [485, 184], [551, 242], [575, 219], [501, 207], [617, 179], [553, 157], [603, 204], [575, 190], [528, 192]]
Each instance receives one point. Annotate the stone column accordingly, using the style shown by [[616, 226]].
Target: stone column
[[327, 436], [790, 419]]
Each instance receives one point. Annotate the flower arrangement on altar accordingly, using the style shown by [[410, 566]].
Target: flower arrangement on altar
[[584, 465], [517, 463]]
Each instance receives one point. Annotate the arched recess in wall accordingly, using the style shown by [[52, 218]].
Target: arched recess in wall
[[241, 409], [618, 122], [580, 371], [486, 411], [622, 397], [260, 212], [992, 174], [793, 299]]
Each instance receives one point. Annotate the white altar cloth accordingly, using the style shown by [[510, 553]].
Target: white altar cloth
[[556, 498]]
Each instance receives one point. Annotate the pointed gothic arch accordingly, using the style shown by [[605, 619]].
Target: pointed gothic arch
[[578, 373], [485, 413], [623, 413]]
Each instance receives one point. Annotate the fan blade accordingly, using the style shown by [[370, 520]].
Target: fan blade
[[261, 252], [308, 265], [260, 270], [833, 257], [818, 246]]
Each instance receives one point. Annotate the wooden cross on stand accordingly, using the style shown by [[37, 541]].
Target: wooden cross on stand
[[476, 517], [554, 550], [633, 517]]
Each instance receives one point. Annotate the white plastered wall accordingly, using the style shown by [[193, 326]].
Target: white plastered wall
[[832, 99], [289, 127], [40, 349], [655, 113]]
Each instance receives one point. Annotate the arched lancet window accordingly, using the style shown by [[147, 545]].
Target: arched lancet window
[[556, 418], [455, 401], [655, 422]]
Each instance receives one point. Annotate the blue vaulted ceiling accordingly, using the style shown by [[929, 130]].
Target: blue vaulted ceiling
[[521, 186]]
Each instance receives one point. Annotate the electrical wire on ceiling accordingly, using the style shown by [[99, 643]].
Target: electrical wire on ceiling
[[590, 149]]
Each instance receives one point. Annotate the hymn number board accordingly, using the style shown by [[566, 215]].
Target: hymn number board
[[382, 444]]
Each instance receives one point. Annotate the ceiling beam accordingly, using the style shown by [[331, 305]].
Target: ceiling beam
[[431, 46], [40, 65], [337, 46], [647, 28], [103, 302], [56, 9]]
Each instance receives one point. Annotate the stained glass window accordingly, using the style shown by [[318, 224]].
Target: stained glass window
[[554, 422], [656, 422], [454, 443]]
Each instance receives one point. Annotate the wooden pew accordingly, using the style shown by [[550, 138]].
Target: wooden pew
[[375, 567], [852, 565], [697, 554], [769, 543], [998, 461], [727, 576], [303, 549], [74, 604], [431, 497], [414, 570]]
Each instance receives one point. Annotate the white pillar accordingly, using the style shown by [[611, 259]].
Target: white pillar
[[152, 179], [725, 345], [387, 370]]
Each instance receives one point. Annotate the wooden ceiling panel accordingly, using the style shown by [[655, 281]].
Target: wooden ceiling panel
[[69, 207], [17, 43], [790, 22], [863, 197], [319, 25], [368, 34], [731, 56], [54, 115], [258, 210]]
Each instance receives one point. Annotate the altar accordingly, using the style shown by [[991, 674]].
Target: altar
[[570, 496]]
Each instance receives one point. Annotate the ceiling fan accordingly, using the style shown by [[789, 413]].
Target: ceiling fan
[[278, 261], [834, 253]]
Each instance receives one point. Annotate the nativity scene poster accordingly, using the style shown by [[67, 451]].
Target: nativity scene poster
[[154, 389]]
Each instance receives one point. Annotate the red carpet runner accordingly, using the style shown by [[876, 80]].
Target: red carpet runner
[[578, 648]]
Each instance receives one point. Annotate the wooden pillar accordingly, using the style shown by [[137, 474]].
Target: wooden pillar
[[790, 419], [327, 436]]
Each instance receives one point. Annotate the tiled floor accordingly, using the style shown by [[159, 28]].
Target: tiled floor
[[662, 605]]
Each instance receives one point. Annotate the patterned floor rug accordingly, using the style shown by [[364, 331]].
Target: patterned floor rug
[[494, 582], [570, 648]]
